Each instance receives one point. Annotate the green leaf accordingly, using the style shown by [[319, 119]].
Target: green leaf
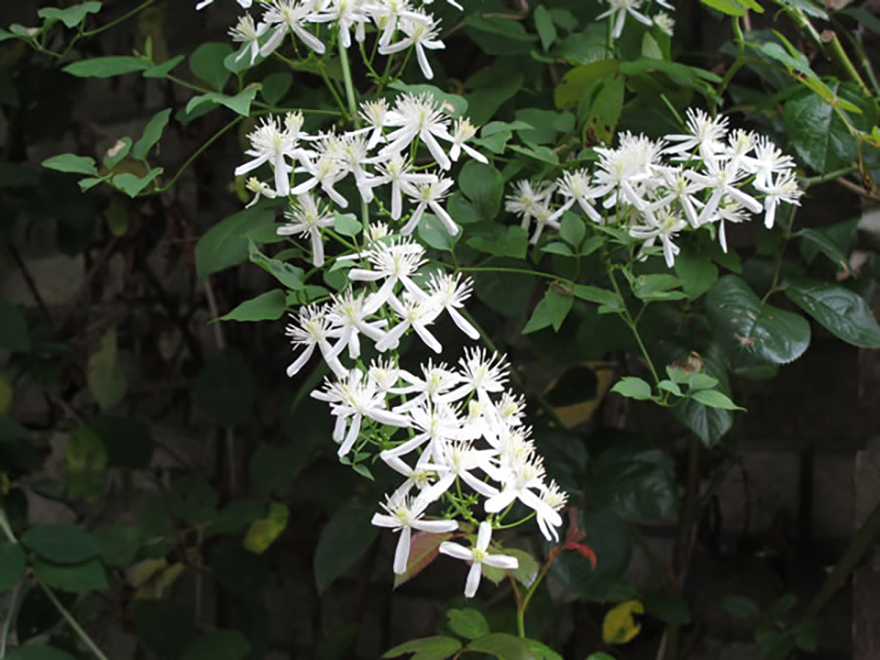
[[345, 538], [38, 652], [106, 67], [502, 646], [269, 306], [117, 153], [194, 500], [346, 224], [62, 543], [119, 544], [634, 388], [237, 516], [709, 424], [72, 16], [606, 108], [240, 103], [424, 549], [434, 233], [715, 399], [206, 63], [818, 134], [600, 656], [541, 651], [106, 381], [696, 271], [469, 623], [219, 645], [668, 607], [574, 84], [635, 482], [225, 389], [86, 463], [740, 607], [289, 276], [545, 27], [483, 185], [132, 185], [657, 287], [527, 570], [12, 564], [843, 312], [263, 533], [273, 468], [558, 248], [72, 164], [551, 310], [275, 86], [815, 240], [750, 331], [439, 648], [13, 328], [599, 296], [163, 69], [225, 244], [513, 242], [573, 230], [73, 578], [152, 134]]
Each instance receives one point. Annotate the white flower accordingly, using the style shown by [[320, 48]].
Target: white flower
[[387, 15], [665, 22], [395, 261], [437, 425], [259, 189], [244, 3], [429, 195], [436, 381], [418, 116], [723, 182], [456, 460], [618, 9], [667, 225], [375, 114], [346, 14], [326, 170], [420, 476], [623, 170], [464, 131], [680, 188], [309, 329], [527, 199], [739, 144], [448, 292], [289, 15], [478, 556], [728, 211], [575, 187], [414, 313], [555, 499], [355, 397], [270, 143], [404, 515], [348, 314], [480, 373], [350, 149], [307, 218], [705, 133], [396, 171], [421, 33], [768, 160], [783, 189], [543, 218], [520, 483], [249, 34]]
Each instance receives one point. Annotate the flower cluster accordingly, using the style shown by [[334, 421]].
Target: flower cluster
[[400, 26], [375, 156], [619, 9], [460, 426], [656, 189]]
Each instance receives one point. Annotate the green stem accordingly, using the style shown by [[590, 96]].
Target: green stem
[[329, 84], [7, 625], [839, 56], [632, 323], [524, 604], [825, 178], [83, 635], [352, 110], [119, 20], [857, 549], [740, 56]]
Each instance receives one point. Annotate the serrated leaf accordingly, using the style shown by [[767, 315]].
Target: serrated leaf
[[750, 331], [843, 312]]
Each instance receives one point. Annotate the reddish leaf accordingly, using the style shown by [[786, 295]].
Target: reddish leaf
[[424, 549]]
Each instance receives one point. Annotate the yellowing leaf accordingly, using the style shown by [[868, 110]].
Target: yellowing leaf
[[620, 626], [140, 573], [262, 533]]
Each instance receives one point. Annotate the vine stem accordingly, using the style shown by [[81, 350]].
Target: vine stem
[[82, 634], [7, 625], [352, 111], [523, 603]]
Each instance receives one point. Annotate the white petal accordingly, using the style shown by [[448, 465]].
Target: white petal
[[473, 580], [401, 554], [456, 550]]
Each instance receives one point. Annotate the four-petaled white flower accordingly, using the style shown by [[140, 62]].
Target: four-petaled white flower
[[404, 515], [618, 9], [284, 16], [247, 33], [307, 218], [478, 556], [421, 33]]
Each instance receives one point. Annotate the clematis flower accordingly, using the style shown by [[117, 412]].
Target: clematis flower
[[247, 33], [311, 328], [414, 313], [575, 187], [478, 556], [271, 143], [667, 226], [448, 292], [618, 9], [307, 218], [244, 3], [396, 170], [345, 15], [349, 315], [395, 261], [418, 116], [464, 131], [520, 483], [429, 196], [783, 189], [420, 33], [283, 16], [404, 515]]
